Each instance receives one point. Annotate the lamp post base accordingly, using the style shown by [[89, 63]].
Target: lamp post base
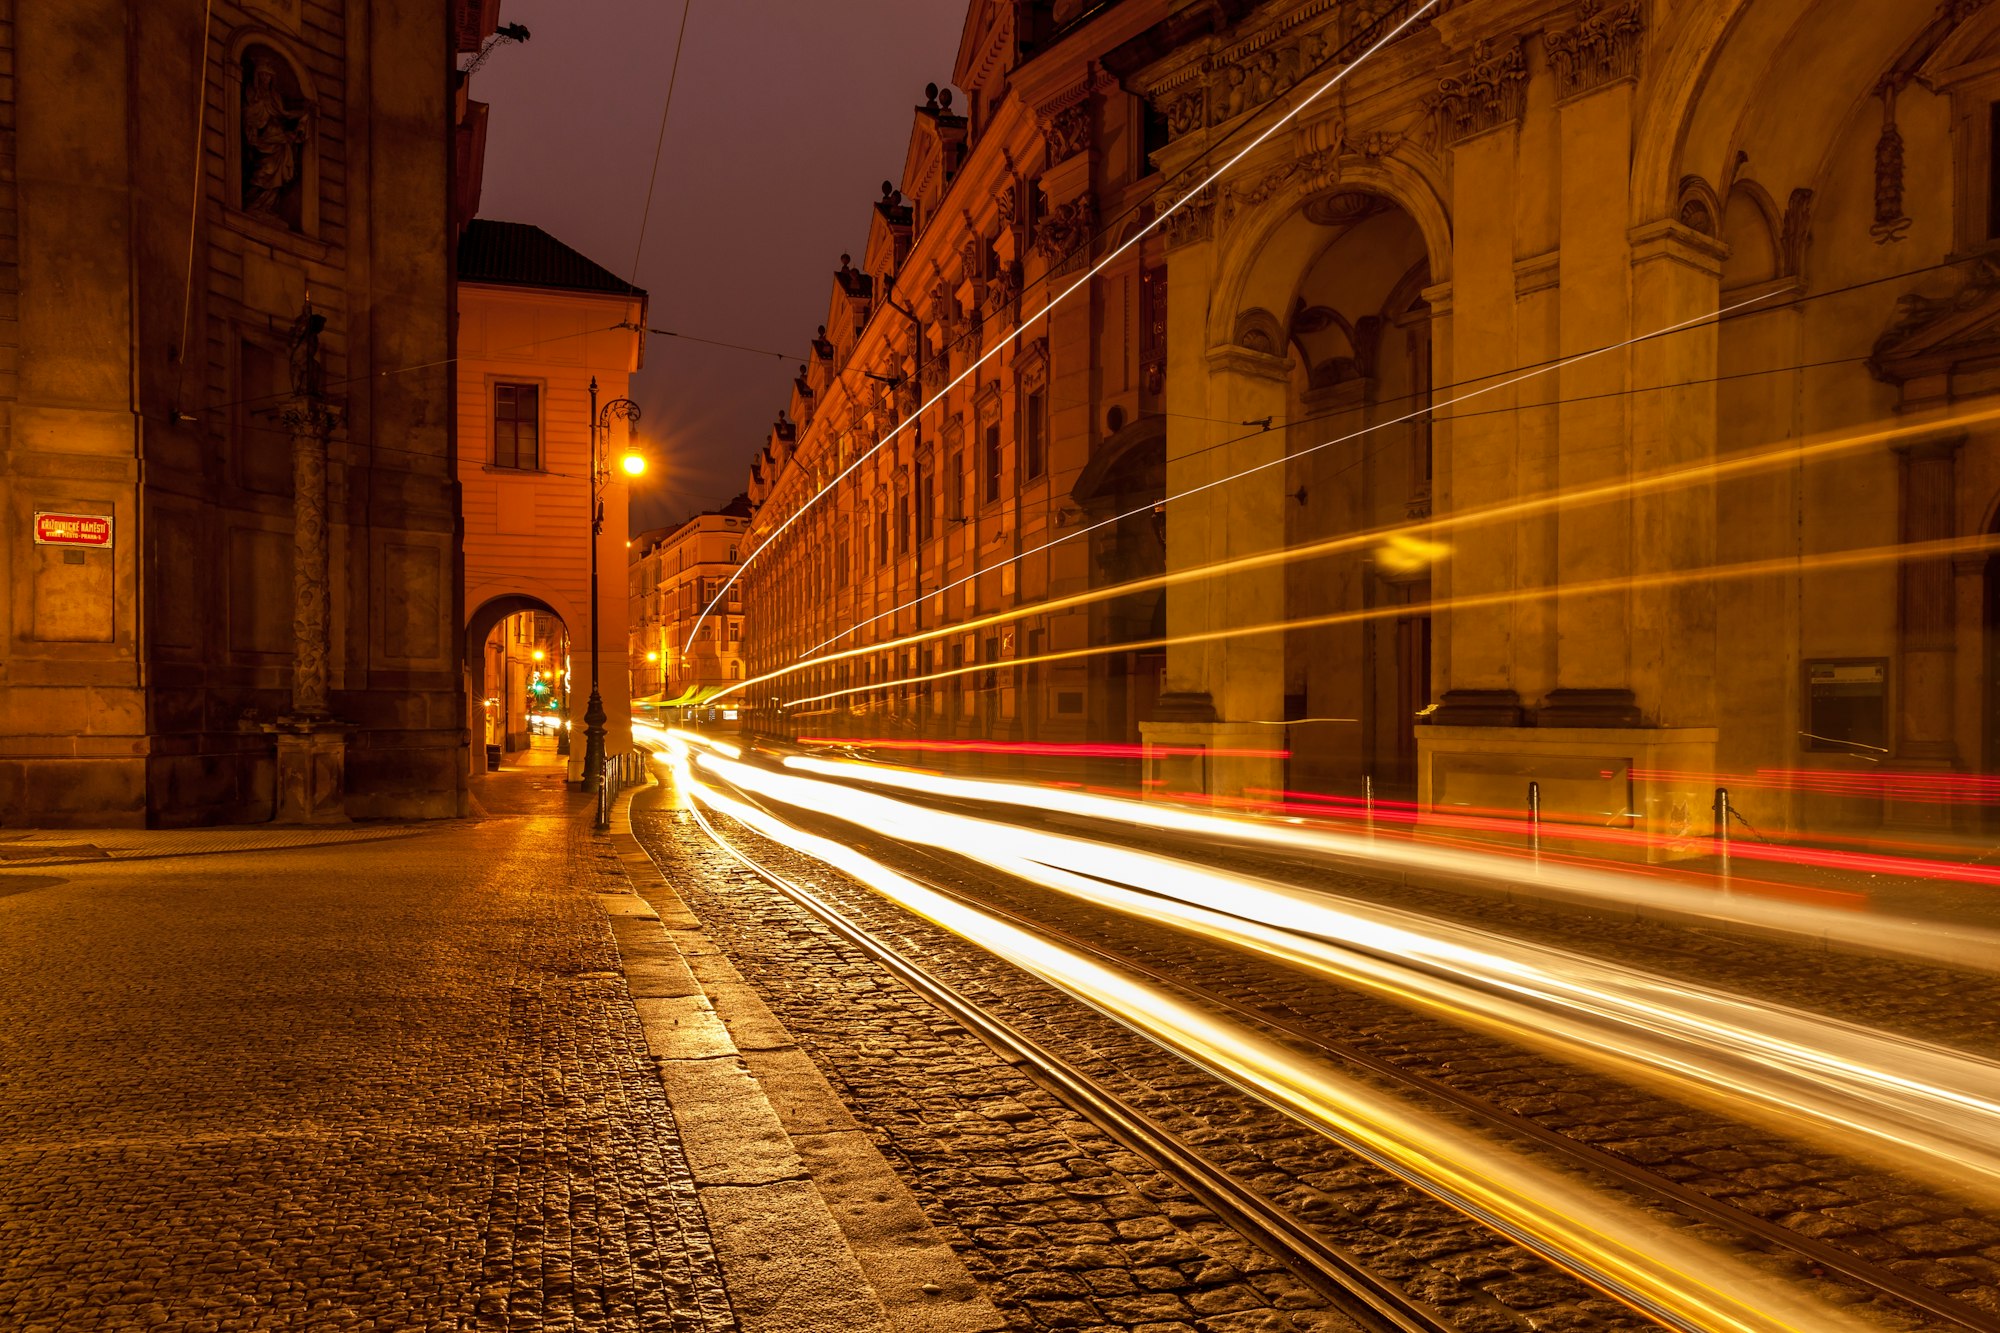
[[593, 742]]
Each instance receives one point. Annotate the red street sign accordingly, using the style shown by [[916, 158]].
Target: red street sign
[[72, 529]]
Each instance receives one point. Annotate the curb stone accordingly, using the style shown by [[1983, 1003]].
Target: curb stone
[[812, 1227]]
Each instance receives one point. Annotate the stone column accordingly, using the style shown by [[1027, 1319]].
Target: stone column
[[312, 747]]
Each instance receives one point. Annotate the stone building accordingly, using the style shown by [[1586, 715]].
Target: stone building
[[540, 329], [225, 405], [674, 574], [1569, 386]]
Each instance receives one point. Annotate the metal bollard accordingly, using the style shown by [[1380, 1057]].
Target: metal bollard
[[1722, 835], [1535, 821], [1368, 798]]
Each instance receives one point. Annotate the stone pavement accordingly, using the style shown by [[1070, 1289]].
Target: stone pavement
[[397, 1083]]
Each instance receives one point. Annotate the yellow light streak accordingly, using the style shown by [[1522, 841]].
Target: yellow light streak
[[1396, 536], [1661, 1271], [1953, 944], [1927, 1106], [1856, 559]]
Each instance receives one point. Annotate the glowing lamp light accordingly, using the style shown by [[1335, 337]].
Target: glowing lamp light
[[634, 464], [539, 654], [652, 657]]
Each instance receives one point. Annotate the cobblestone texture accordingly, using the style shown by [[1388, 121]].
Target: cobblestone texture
[[1871, 1212], [1069, 1228], [397, 1086]]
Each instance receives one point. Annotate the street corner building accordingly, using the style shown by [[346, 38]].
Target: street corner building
[[228, 552], [1594, 395]]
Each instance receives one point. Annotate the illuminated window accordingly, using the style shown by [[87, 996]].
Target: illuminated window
[[517, 427]]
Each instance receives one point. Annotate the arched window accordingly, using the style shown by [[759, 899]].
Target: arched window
[[274, 167]]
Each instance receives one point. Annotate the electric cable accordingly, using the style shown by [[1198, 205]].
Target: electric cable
[[1293, 113]]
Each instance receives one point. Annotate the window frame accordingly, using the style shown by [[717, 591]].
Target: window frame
[[494, 384]]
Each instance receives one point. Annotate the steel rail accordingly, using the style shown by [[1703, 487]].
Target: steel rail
[[1363, 1295], [1682, 1198]]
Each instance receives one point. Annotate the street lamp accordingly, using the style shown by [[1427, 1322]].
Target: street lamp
[[600, 469]]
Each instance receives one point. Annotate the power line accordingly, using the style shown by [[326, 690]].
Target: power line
[[1508, 379], [673, 76], [1140, 234]]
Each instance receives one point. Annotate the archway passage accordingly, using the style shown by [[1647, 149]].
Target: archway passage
[[1358, 337], [518, 681]]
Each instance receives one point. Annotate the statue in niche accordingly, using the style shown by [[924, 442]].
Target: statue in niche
[[274, 136]]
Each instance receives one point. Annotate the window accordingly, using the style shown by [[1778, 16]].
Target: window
[[902, 525], [517, 426], [926, 506], [840, 565], [1034, 435], [732, 556], [990, 463], [882, 536], [955, 494]]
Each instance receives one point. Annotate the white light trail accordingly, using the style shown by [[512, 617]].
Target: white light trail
[[1921, 1105], [1660, 1270], [1139, 234]]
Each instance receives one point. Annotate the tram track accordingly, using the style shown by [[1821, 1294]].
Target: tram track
[[1327, 1267]]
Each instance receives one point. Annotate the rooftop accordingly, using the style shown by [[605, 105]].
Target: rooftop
[[519, 254]]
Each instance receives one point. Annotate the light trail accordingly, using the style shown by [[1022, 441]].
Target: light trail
[[1138, 234], [1661, 1271], [1943, 548], [1914, 1103], [1704, 473], [1047, 749], [1949, 943]]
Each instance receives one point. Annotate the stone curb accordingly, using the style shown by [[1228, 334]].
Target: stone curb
[[811, 1225]]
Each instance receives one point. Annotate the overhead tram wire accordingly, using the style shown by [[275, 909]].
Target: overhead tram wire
[[1089, 274], [660, 143], [1942, 549], [1518, 374], [1668, 479]]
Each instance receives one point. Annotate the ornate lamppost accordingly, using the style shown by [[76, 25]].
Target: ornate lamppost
[[600, 469]]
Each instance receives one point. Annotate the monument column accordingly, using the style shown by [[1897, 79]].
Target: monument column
[[312, 746]]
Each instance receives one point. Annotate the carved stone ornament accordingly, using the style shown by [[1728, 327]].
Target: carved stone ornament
[[1891, 223], [1490, 91], [1192, 222], [1187, 112], [1067, 229], [1308, 173], [1699, 211], [1343, 208], [1933, 333], [1604, 47], [275, 125], [1067, 132]]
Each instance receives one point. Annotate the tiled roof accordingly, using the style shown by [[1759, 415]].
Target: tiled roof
[[516, 254]]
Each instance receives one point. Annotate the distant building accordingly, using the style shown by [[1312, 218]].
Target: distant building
[[538, 323], [674, 574], [168, 206], [1759, 237]]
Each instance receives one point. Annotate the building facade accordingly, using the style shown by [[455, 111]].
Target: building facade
[[541, 329], [225, 325], [1582, 393], [674, 575]]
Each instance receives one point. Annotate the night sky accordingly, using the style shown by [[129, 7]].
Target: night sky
[[787, 116]]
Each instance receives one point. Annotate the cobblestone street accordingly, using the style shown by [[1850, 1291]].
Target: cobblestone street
[[393, 1085]]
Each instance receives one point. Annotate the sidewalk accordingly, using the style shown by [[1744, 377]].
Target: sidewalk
[[394, 1082]]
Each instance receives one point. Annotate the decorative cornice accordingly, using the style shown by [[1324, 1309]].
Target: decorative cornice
[[1605, 46], [1490, 91]]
